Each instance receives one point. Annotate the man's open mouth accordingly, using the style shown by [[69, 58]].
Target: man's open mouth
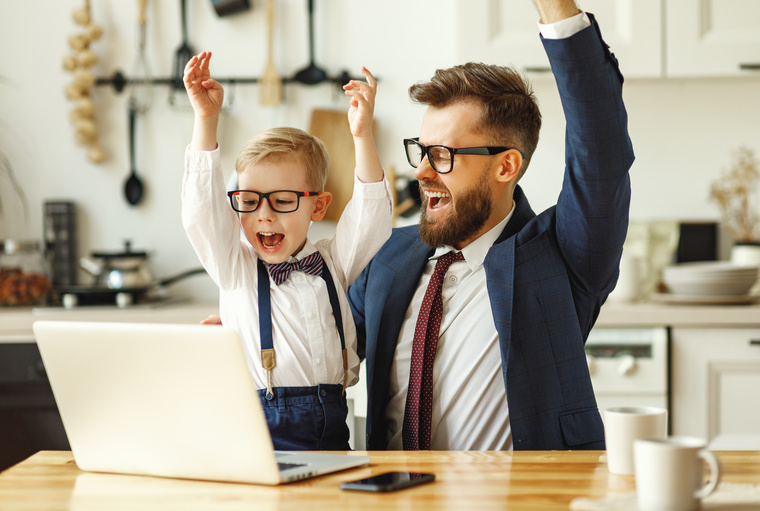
[[437, 199]]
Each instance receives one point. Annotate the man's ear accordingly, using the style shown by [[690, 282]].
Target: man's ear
[[320, 206], [509, 166]]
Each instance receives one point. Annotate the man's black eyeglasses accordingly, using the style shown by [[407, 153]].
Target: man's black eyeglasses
[[441, 157], [281, 201]]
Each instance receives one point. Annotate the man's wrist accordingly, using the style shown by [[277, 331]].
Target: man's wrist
[[552, 11], [565, 27]]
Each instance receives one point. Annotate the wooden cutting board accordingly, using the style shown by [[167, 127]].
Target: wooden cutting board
[[331, 126]]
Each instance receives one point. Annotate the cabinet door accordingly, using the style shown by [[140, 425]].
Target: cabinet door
[[499, 32], [712, 37], [715, 382]]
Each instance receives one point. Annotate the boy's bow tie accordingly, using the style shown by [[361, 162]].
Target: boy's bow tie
[[311, 264]]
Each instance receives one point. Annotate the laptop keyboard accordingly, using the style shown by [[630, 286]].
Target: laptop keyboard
[[285, 466]]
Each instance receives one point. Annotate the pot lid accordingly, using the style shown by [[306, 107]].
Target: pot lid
[[11, 246], [128, 252]]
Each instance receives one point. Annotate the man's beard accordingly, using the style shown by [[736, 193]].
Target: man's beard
[[458, 225]]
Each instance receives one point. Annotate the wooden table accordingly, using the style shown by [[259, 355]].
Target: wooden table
[[470, 481]]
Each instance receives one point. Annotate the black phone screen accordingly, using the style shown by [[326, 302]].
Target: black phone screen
[[389, 481]]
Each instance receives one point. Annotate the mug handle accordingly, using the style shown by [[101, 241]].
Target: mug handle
[[712, 484]]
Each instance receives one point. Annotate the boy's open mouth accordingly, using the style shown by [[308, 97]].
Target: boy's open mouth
[[437, 199], [270, 240]]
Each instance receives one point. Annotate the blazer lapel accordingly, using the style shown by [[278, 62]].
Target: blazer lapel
[[500, 267], [401, 287]]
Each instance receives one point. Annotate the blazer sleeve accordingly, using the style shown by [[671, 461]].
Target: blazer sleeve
[[592, 209], [356, 295]]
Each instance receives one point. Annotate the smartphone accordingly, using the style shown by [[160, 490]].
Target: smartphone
[[389, 481]]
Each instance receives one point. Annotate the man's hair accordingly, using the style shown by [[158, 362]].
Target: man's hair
[[511, 116], [277, 144]]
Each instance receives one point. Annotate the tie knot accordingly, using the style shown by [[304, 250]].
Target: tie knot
[[443, 263], [311, 264]]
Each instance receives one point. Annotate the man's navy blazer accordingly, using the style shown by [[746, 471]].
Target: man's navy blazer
[[547, 274]]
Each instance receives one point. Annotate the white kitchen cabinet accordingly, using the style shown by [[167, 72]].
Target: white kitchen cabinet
[[716, 382], [712, 37], [498, 32], [651, 38]]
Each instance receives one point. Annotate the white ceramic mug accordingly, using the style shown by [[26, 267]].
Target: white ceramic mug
[[628, 287], [669, 473], [624, 425]]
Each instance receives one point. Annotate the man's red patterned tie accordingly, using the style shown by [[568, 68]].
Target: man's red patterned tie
[[419, 399]]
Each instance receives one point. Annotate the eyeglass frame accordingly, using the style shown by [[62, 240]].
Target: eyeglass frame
[[481, 150], [265, 196]]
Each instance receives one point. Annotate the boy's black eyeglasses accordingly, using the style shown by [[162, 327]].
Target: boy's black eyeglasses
[[441, 157], [281, 201]]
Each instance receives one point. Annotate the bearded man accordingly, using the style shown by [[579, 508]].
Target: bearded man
[[473, 323]]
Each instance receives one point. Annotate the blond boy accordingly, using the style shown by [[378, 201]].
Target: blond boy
[[295, 323]]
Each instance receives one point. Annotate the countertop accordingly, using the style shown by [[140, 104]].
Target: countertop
[[522, 480], [677, 315], [16, 322]]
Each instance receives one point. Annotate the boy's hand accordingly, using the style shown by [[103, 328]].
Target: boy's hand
[[213, 319], [206, 94], [362, 104]]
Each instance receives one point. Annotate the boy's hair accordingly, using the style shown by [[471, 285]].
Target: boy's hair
[[277, 144], [511, 116]]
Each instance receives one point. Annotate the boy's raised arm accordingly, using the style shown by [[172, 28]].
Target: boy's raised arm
[[206, 97], [360, 112]]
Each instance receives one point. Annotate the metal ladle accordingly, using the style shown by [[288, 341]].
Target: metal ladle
[[311, 75]]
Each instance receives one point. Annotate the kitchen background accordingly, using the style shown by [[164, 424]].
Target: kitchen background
[[685, 130]]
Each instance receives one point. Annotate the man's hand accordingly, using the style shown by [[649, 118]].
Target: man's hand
[[552, 11]]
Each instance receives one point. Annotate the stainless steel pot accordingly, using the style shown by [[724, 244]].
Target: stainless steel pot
[[119, 270]]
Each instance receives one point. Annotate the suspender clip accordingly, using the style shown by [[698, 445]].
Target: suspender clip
[[269, 362]]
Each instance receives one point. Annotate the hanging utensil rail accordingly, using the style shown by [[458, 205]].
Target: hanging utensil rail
[[119, 81]]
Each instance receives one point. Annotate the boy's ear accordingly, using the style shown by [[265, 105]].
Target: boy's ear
[[320, 206]]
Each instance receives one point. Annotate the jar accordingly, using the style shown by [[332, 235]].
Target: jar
[[24, 273]]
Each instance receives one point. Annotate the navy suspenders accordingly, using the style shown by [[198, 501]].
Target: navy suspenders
[[265, 322]]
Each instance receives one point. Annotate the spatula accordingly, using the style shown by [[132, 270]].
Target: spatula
[[270, 85]]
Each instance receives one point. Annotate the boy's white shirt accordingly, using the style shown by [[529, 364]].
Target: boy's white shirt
[[304, 333]]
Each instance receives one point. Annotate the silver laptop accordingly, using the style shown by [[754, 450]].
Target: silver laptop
[[166, 400]]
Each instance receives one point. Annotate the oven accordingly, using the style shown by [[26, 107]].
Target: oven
[[29, 419], [630, 366]]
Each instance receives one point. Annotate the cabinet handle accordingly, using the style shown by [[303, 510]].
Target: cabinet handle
[[754, 342], [750, 67], [542, 69]]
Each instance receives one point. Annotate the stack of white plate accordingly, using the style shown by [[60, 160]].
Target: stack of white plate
[[718, 278]]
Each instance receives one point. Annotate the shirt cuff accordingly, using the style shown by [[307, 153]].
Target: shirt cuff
[[201, 160], [376, 190], [566, 27]]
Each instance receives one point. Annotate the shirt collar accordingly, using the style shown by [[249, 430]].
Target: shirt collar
[[475, 253], [306, 251]]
